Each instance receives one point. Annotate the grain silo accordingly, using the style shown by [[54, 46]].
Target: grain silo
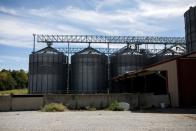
[[169, 53], [47, 71], [127, 59], [88, 71], [190, 29]]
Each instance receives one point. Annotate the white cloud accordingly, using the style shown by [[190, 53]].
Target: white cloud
[[164, 8], [144, 19], [18, 32], [116, 23], [105, 3], [8, 11]]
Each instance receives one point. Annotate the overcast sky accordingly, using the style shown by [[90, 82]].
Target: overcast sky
[[19, 19]]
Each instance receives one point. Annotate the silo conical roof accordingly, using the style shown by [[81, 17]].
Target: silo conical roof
[[127, 50], [48, 50], [89, 50]]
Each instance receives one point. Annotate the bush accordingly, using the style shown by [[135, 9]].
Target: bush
[[53, 107], [90, 108], [114, 106]]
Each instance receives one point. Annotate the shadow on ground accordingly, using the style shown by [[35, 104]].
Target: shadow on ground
[[167, 110]]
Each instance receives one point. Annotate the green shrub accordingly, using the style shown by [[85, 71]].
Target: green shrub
[[90, 108], [53, 107], [114, 106]]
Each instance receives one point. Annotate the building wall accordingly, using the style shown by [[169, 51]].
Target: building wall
[[192, 55], [171, 68]]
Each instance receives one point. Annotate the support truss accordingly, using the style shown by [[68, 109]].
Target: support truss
[[74, 50], [110, 39], [103, 50]]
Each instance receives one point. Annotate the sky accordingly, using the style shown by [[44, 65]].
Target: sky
[[19, 19]]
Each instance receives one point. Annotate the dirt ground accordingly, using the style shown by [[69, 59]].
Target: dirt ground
[[96, 121]]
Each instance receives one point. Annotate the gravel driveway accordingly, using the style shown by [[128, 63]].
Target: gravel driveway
[[95, 121]]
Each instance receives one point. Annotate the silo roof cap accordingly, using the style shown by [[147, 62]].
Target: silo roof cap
[[48, 50], [127, 51], [190, 8], [89, 50], [173, 50]]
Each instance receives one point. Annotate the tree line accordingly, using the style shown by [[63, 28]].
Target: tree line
[[13, 79]]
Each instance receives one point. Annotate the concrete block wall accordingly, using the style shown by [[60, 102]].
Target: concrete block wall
[[130, 98], [20, 103], [151, 100], [78, 101], [145, 100], [96, 100], [5, 103], [157, 99], [26, 103]]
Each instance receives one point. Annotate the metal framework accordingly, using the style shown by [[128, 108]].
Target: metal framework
[[74, 50], [135, 40], [109, 39]]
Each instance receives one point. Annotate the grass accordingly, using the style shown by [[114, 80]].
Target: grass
[[15, 92], [54, 107], [114, 106]]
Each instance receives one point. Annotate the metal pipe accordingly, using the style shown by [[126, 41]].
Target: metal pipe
[[34, 35], [68, 72], [108, 90]]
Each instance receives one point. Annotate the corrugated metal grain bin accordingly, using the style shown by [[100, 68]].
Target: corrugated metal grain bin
[[166, 54], [47, 71], [88, 71], [190, 29], [127, 59]]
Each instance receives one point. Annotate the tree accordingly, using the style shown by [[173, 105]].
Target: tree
[[7, 81], [13, 79], [21, 79], [3, 77]]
